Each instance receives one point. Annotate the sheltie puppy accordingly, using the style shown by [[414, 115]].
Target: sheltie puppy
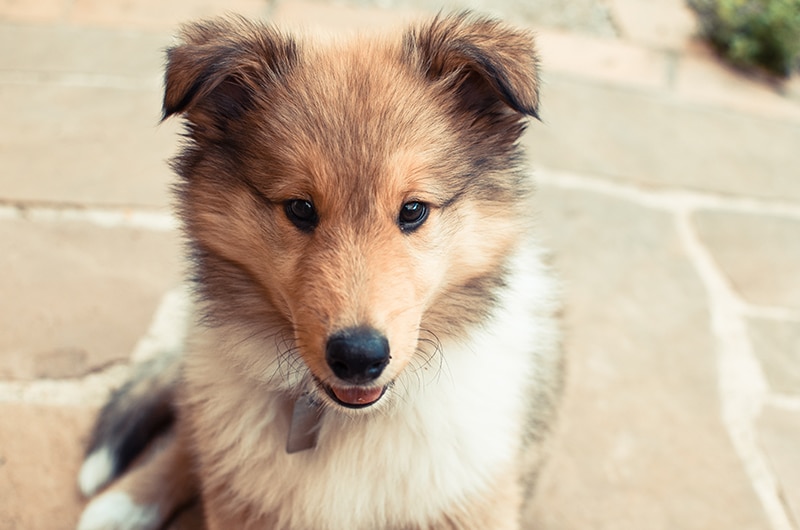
[[374, 344]]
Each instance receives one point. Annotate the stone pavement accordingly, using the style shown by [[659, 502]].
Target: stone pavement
[[669, 193]]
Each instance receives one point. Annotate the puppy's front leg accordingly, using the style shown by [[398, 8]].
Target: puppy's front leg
[[224, 513], [148, 495], [497, 509]]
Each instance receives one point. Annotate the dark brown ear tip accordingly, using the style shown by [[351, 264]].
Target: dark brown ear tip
[[167, 112], [527, 109], [215, 64], [503, 57]]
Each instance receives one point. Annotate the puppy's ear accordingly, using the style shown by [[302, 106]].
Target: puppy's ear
[[482, 59], [220, 66]]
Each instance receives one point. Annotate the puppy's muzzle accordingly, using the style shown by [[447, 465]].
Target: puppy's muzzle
[[357, 355]]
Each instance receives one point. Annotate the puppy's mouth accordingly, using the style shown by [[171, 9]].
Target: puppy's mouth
[[354, 397]]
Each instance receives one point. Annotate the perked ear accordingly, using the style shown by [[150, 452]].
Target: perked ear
[[479, 56], [219, 67]]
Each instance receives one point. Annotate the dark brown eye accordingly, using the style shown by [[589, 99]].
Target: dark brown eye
[[301, 213], [412, 215]]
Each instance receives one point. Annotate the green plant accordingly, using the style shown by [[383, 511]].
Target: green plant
[[750, 33]]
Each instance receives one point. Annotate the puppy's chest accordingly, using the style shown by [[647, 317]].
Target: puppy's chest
[[364, 472]]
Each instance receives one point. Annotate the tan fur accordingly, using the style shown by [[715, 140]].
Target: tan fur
[[359, 128], [164, 479]]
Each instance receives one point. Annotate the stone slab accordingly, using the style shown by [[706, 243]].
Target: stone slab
[[84, 144], [81, 125], [661, 24], [41, 449], [131, 55], [157, 14], [77, 297], [791, 88], [702, 78], [780, 435], [308, 15], [587, 16], [641, 444], [601, 59], [759, 254], [41, 11], [643, 138], [777, 345]]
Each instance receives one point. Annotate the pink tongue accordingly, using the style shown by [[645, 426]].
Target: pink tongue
[[357, 396]]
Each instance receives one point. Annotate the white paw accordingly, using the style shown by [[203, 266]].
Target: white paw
[[116, 511], [96, 471]]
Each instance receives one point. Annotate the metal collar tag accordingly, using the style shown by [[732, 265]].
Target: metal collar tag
[[304, 428]]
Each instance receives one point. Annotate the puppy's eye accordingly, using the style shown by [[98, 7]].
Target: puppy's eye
[[412, 215], [301, 213]]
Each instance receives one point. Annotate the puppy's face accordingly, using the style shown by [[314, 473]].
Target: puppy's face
[[353, 203]]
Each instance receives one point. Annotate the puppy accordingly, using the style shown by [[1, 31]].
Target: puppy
[[375, 346]]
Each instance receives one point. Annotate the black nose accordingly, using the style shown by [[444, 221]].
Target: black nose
[[357, 355]]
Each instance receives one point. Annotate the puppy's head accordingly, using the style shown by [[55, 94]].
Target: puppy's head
[[350, 205]]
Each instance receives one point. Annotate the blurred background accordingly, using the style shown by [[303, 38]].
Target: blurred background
[[669, 193]]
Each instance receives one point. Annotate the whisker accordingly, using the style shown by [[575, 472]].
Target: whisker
[[428, 348]]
